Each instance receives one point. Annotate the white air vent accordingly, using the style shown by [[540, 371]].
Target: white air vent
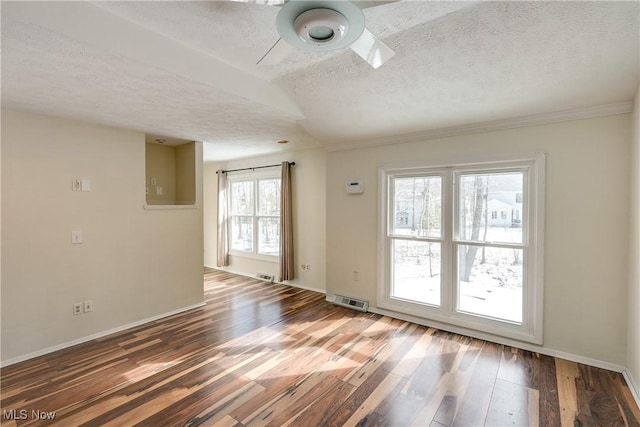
[[265, 277], [356, 304]]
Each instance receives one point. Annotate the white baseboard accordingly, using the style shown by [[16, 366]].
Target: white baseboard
[[96, 335], [633, 386], [306, 288], [499, 340], [286, 282]]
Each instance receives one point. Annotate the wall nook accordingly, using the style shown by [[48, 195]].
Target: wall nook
[[170, 171]]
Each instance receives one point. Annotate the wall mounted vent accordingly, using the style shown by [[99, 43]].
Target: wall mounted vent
[[265, 277], [356, 304]]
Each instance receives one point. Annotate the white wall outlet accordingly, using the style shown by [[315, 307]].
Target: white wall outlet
[[306, 267], [355, 276], [76, 237], [77, 308], [88, 306], [86, 185], [158, 191], [76, 185]]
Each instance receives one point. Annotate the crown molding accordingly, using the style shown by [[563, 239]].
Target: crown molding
[[516, 122]]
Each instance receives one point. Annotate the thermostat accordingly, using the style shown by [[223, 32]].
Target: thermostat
[[355, 187]]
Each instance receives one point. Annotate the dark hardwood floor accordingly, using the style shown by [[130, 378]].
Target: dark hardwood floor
[[261, 354]]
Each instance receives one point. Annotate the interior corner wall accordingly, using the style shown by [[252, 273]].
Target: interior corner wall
[[587, 217], [134, 264], [633, 336], [160, 163], [185, 174], [308, 187]]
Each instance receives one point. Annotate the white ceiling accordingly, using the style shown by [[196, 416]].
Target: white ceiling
[[188, 70]]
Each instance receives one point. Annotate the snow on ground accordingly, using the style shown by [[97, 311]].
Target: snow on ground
[[494, 288]]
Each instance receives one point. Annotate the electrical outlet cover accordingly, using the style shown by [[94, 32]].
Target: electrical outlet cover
[[76, 237]]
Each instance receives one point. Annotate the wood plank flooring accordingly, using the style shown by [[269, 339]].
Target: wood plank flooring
[[271, 355]]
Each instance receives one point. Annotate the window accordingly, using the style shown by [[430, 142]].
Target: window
[[254, 216], [455, 261], [416, 248]]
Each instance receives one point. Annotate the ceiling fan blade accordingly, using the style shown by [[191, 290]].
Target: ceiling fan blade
[[372, 49], [363, 4], [276, 54]]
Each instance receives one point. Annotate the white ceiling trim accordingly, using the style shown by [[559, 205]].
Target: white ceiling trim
[[85, 22], [533, 120]]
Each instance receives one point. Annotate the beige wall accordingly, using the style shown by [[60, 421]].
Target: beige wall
[[134, 263], [160, 163], [0, 237], [586, 255], [633, 340], [309, 177], [185, 174]]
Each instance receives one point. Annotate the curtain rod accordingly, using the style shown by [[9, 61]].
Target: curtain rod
[[254, 168]]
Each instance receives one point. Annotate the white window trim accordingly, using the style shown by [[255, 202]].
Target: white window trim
[[531, 329], [254, 176]]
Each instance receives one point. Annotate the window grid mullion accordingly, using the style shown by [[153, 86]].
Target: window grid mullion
[[505, 245], [448, 260], [256, 206]]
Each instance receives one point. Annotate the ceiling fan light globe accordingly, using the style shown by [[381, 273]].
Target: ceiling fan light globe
[[344, 18], [321, 33], [321, 27]]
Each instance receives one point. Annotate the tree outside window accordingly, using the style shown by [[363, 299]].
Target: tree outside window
[[254, 213]]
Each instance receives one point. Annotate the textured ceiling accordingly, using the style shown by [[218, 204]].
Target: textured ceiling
[[188, 69]]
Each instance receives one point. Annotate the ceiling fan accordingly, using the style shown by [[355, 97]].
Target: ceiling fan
[[324, 26]]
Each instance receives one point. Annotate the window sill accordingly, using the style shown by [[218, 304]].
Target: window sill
[[477, 323], [167, 207], [267, 258]]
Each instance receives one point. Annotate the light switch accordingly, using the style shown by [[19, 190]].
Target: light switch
[[76, 237], [153, 181], [159, 191], [86, 185]]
